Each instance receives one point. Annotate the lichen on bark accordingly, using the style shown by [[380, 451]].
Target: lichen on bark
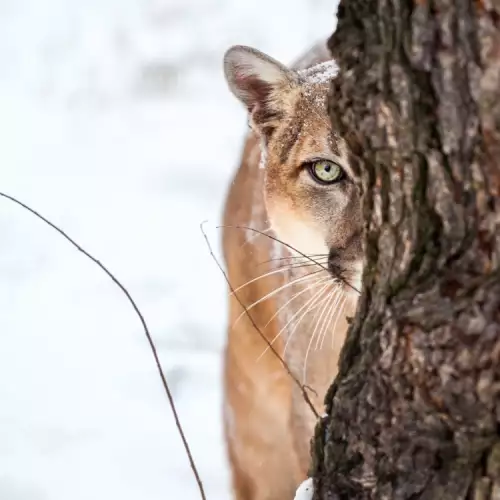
[[415, 408]]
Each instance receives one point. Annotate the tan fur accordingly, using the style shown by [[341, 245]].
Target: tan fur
[[267, 424]]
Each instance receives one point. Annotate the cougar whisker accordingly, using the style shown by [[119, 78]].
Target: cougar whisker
[[292, 257], [308, 303], [275, 239], [335, 309], [336, 297], [272, 293], [340, 309], [293, 298], [321, 317], [319, 302], [262, 276]]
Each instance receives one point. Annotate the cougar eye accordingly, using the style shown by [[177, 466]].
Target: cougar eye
[[326, 172]]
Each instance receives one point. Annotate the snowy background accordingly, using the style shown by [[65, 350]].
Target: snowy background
[[116, 124]]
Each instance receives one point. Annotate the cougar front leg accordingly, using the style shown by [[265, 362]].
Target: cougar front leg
[[256, 420]]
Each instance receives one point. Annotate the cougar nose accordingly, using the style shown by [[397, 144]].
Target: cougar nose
[[334, 264]]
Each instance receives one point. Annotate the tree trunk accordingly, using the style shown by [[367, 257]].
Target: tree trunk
[[414, 412]]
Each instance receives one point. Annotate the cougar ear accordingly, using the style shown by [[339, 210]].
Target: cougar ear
[[254, 77]]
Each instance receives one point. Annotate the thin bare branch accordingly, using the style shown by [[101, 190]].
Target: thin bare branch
[[145, 328], [270, 346]]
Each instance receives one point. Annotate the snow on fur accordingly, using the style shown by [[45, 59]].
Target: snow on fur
[[320, 73]]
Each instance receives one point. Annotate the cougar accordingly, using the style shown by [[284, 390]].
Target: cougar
[[293, 253]]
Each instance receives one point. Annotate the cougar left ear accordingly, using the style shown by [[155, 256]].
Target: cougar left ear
[[254, 77]]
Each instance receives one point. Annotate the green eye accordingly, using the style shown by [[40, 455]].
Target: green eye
[[326, 172]]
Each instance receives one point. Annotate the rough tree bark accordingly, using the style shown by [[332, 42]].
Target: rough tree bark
[[415, 409]]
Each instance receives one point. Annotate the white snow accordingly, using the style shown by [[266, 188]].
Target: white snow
[[116, 124], [305, 491], [320, 73]]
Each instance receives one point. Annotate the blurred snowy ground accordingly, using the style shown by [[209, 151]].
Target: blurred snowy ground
[[115, 123]]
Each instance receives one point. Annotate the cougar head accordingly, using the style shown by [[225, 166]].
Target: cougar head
[[312, 200]]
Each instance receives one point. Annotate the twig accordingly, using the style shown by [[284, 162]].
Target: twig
[[271, 347], [146, 332]]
